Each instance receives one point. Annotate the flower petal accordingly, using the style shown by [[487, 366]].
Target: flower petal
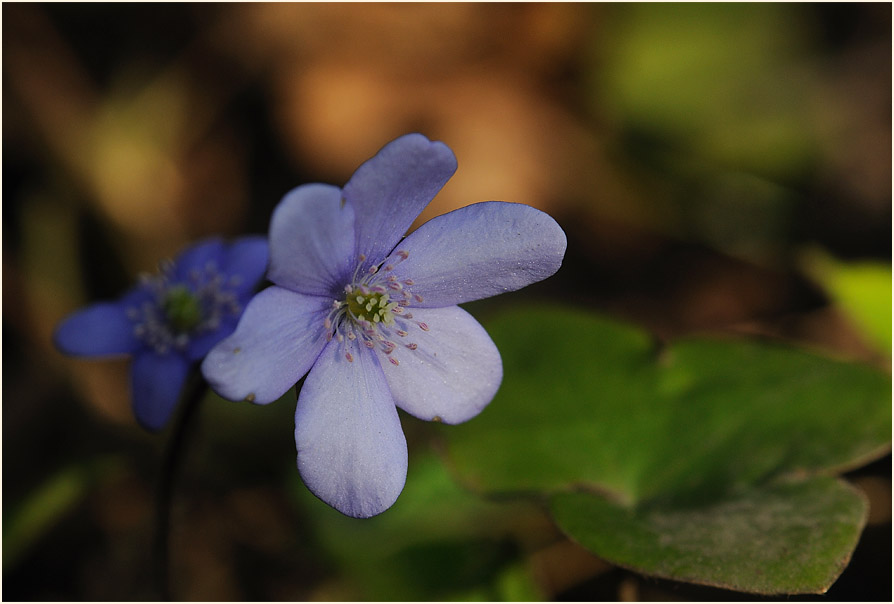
[[98, 330], [200, 345], [390, 190], [454, 371], [352, 453], [277, 340], [312, 240], [246, 258], [480, 251], [198, 256], [157, 381]]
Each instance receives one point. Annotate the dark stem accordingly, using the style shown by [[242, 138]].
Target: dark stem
[[193, 393]]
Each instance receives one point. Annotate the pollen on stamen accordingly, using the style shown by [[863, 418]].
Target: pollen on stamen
[[401, 333], [417, 297], [422, 326], [350, 357], [409, 282], [394, 361], [412, 346]]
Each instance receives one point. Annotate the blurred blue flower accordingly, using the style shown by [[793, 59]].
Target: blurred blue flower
[[374, 318], [170, 320]]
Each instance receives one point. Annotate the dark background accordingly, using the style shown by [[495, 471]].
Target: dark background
[[697, 156]]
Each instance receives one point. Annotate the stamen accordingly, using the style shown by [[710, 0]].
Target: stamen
[[371, 306]]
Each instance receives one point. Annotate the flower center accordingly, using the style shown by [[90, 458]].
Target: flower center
[[374, 311], [373, 307], [182, 309], [179, 310]]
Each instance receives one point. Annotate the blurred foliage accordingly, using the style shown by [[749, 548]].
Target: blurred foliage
[[440, 542], [58, 496], [863, 290], [715, 80], [693, 154]]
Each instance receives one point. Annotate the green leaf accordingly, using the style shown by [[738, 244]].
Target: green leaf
[[862, 290], [782, 538], [590, 403]]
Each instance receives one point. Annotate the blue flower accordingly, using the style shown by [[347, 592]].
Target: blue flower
[[374, 318], [169, 321]]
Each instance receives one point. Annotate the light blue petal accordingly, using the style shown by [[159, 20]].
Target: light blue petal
[[352, 453], [246, 258], [390, 190], [157, 381], [98, 330], [448, 372], [312, 241], [480, 251], [277, 340], [198, 256]]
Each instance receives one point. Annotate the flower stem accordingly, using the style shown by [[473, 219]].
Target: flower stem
[[193, 393]]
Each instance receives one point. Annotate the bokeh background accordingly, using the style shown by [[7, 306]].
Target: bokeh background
[[711, 165]]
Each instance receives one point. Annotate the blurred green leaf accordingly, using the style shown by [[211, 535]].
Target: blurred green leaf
[[437, 542], [722, 79], [33, 517], [863, 291], [588, 402], [782, 538]]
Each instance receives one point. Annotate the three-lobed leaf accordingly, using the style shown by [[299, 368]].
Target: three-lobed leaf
[[588, 403]]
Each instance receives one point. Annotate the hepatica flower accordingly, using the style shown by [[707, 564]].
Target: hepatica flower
[[170, 320], [373, 316]]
